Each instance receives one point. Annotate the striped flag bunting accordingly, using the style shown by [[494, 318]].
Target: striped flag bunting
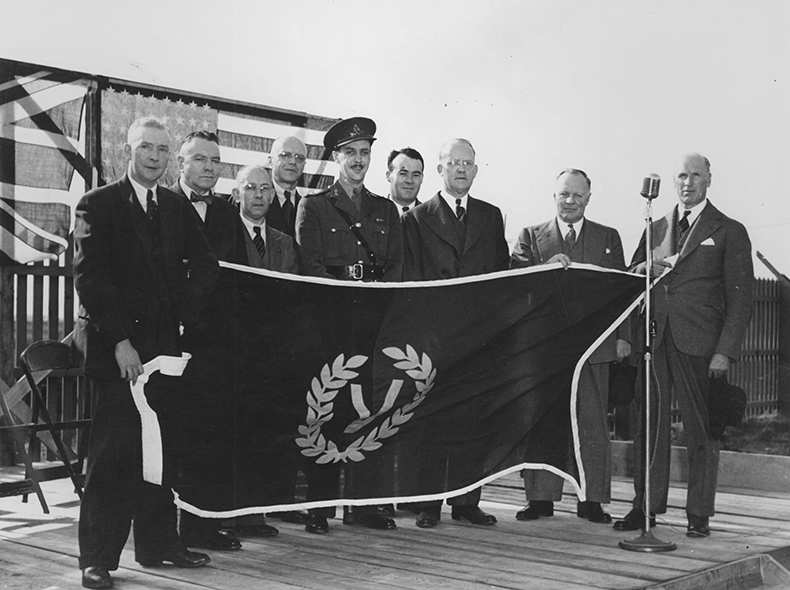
[[244, 139], [40, 125]]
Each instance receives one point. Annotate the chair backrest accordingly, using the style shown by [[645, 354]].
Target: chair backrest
[[47, 355]]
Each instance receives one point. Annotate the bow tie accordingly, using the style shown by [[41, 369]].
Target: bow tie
[[207, 198]]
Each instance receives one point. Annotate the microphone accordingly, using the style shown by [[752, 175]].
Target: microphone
[[650, 186]]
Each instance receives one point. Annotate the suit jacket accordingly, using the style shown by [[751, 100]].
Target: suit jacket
[[131, 284], [222, 227], [280, 252], [597, 244], [706, 300], [275, 217], [434, 249], [325, 239]]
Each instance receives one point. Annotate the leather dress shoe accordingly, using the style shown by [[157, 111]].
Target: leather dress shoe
[[427, 519], [699, 526], [374, 521], [180, 558], [258, 530], [386, 510], [633, 521], [593, 512], [316, 524], [215, 540], [535, 509], [473, 514], [292, 516], [96, 576]]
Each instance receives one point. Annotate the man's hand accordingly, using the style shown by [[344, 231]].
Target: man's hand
[[623, 349], [659, 266], [563, 259], [128, 360], [718, 365]]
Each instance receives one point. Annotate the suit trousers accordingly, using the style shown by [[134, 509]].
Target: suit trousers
[[115, 493], [593, 408], [685, 377]]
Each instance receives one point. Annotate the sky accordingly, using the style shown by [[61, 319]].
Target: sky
[[618, 88]]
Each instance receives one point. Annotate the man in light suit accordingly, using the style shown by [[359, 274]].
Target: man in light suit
[[405, 169], [142, 268], [287, 160], [266, 247], [702, 308], [454, 235], [571, 237]]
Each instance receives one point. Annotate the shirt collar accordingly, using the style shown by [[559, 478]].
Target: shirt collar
[[564, 229], [695, 211], [450, 200], [249, 225], [141, 192], [281, 193]]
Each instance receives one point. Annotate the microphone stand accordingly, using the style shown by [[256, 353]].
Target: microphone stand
[[647, 542]]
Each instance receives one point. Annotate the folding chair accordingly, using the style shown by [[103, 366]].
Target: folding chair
[[55, 357]]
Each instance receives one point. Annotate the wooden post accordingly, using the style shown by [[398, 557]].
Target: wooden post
[[7, 348]]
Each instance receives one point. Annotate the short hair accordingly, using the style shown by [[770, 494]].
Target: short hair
[[576, 172], [202, 134], [409, 152], [146, 121], [443, 149]]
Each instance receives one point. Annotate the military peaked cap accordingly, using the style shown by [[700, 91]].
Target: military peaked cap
[[348, 130]]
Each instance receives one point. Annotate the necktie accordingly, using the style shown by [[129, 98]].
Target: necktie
[[570, 237], [356, 197], [152, 207], [460, 212], [194, 197], [404, 209], [683, 228], [258, 242], [288, 207]]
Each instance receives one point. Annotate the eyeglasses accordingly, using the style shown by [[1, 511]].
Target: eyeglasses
[[254, 188], [298, 158], [459, 163]]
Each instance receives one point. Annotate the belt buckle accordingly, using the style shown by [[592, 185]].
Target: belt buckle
[[357, 271]]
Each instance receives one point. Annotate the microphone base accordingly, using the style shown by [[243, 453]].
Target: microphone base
[[647, 543]]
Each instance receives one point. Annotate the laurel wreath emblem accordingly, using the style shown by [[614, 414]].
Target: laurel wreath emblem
[[323, 391]]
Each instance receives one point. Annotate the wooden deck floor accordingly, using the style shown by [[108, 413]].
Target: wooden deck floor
[[39, 551]]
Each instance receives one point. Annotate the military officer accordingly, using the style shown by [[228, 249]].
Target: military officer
[[346, 232]]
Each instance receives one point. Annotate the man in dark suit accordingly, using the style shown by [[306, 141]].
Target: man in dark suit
[[571, 237], [266, 247], [199, 164], [702, 308], [454, 235], [286, 161], [348, 233], [142, 267], [405, 169]]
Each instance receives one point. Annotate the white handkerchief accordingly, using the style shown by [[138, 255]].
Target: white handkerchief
[[708, 242], [608, 251]]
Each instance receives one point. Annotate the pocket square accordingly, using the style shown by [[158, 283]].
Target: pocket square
[[608, 251], [708, 242]]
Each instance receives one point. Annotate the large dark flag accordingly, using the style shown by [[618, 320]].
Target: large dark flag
[[321, 392]]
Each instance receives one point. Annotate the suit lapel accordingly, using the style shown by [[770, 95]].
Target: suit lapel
[[549, 240], [438, 219], [707, 223], [476, 220]]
